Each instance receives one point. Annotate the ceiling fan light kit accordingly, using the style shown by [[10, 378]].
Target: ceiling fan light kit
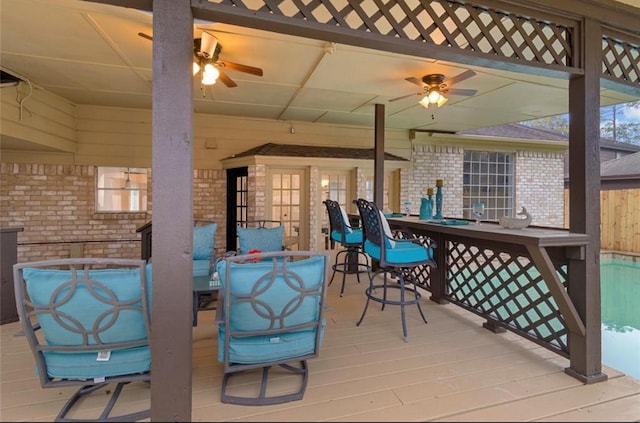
[[434, 98], [210, 74]]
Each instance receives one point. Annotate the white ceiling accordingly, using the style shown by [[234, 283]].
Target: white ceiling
[[90, 53]]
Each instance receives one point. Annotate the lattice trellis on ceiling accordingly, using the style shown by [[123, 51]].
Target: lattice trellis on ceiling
[[495, 33]]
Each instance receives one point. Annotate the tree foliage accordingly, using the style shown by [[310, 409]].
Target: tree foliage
[[613, 125]]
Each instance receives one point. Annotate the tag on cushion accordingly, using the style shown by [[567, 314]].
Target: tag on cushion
[[103, 356]]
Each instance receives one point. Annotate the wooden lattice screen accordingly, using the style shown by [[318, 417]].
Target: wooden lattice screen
[[487, 34]]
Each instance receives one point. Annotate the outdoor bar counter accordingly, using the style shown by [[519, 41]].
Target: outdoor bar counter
[[516, 279]]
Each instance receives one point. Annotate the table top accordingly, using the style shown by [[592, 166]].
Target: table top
[[201, 284], [531, 235]]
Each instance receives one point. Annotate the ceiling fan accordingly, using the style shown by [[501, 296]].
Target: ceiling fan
[[434, 87], [207, 62]]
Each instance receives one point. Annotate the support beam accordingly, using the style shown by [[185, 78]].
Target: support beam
[[172, 164], [584, 207], [378, 166]]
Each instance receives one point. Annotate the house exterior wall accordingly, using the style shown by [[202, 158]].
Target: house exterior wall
[[539, 186], [55, 205], [50, 190], [538, 181]]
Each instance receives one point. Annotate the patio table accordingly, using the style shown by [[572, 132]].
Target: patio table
[[203, 289]]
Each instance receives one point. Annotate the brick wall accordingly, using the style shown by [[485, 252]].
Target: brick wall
[[539, 187], [55, 204], [539, 182], [431, 162]]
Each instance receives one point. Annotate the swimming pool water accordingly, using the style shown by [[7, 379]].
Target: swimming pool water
[[620, 292]]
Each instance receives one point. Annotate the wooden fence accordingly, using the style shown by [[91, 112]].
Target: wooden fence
[[619, 217]]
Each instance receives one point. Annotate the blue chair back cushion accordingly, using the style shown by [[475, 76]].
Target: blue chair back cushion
[[203, 241], [263, 239], [282, 294], [86, 311]]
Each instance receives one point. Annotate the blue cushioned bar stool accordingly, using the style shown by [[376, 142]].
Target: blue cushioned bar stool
[[397, 257], [348, 259]]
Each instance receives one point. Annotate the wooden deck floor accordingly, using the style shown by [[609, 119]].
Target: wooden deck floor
[[450, 370]]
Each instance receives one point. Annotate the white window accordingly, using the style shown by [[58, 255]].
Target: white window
[[488, 179], [121, 189], [391, 185]]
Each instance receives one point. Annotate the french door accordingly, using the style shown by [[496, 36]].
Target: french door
[[334, 185], [288, 197]]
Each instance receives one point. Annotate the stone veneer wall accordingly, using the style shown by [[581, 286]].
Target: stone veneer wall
[[55, 205]]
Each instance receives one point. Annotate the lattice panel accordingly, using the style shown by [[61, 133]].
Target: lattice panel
[[437, 22], [621, 60], [507, 289]]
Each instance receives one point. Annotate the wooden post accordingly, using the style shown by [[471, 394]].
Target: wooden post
[[172, 119]]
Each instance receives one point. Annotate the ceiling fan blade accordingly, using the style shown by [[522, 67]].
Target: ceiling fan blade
[[405, 96], [143, 35], [460, 77], [240, 68], [458, 91], [226, 80], [416, 81]]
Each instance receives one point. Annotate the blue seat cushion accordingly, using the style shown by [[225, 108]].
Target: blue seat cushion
[[204, 241], [201, 267], [259, 349], [83, 365], [403, 252], [353, 237], [263, 239]]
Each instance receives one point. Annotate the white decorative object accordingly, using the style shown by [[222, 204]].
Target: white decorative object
[[516, 222]]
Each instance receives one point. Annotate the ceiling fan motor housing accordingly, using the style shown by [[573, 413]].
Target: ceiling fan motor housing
[[433, 80]]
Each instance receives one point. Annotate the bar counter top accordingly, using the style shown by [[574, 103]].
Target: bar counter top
[[531, 235]]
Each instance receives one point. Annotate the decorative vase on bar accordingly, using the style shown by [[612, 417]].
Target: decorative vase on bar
[[426, 206], [439, 184]]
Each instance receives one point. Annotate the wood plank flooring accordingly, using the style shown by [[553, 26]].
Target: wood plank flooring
[[451, 369]]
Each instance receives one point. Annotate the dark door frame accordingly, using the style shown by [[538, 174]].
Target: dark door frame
[[237, 199]]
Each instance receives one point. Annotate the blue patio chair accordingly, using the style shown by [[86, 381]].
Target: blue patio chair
[[396, 258], [347, 260], [271, 314], [87, 322]]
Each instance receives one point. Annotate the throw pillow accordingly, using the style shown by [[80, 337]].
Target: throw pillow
[[263, 239], [204, 241]]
